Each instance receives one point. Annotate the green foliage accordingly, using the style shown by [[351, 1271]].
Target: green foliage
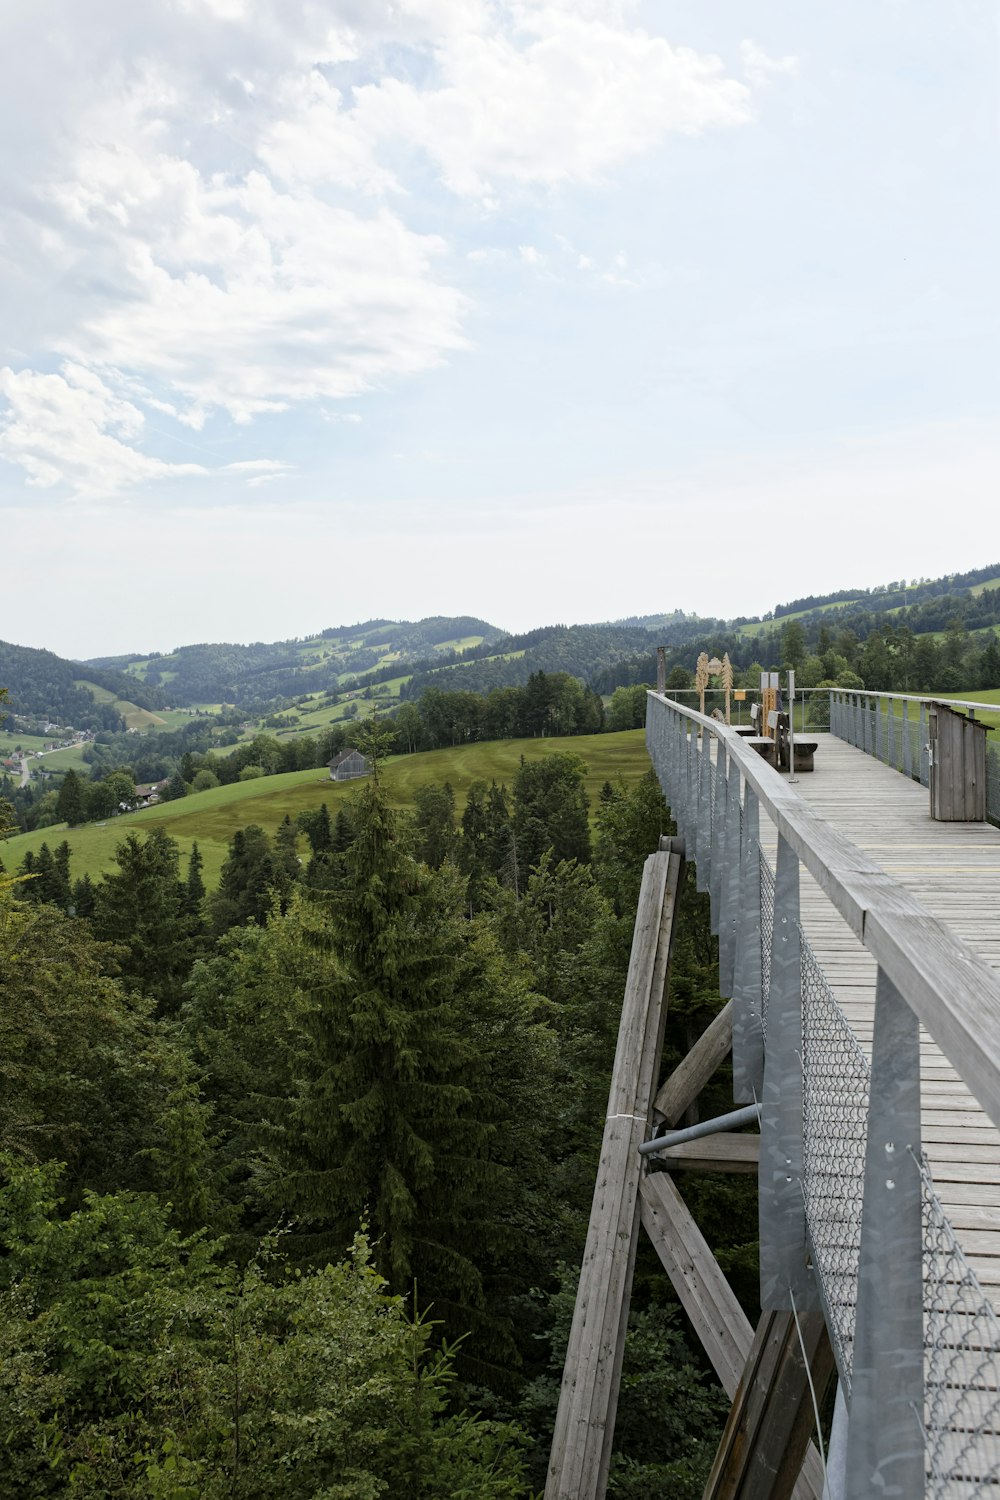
[[551, 808], [628, 707], [669, 1418], [142, 908], [254, 876], [630, 823], [70, 802], [435, 833], [81, 1061], [133, 1363]]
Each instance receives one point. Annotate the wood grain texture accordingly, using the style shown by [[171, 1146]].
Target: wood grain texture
[[584, 1428]]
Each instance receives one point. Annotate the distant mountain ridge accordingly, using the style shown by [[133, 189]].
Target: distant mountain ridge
[[303, 677]]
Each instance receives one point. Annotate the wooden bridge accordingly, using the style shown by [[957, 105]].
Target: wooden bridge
[[859, 941]]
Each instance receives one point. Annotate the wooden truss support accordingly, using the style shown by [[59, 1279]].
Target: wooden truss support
[[710, 1303], [588, 1398], [767, 1436], [725, 1152], [704, 1293], [694, 1071]]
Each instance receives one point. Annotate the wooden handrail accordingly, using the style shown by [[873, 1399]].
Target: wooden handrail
[[952, 991]]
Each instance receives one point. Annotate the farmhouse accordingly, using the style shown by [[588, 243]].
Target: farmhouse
[[347, 765], [146, 793]]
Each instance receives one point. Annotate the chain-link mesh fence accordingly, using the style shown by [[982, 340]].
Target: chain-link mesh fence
[[766, 933], [835, 1080], [961, 1366], [895, 731], [961, 1417], [993, 785], [713, 787]]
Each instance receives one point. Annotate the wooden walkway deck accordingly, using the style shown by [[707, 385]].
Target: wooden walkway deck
[[953, 869]]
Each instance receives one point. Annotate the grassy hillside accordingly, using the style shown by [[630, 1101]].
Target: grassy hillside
[[213, 817], [756, 626], [134, 716]]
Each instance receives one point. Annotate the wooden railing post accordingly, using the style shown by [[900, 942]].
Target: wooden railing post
[[786, 1280], [885, 1443]]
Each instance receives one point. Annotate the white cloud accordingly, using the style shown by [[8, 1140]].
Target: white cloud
[[759, 68], [316, 140], [562, 95], [241, 297], [200, 213], [72, 429]]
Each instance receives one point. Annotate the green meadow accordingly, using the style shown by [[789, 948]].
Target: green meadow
[[756, 626], [10, 738], [213, 817], [61, 760]]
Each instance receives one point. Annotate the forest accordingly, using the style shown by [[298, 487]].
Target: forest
[[296, 1174]]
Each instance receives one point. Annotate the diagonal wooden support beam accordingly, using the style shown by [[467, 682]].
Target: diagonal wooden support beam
[[705, 1294], [709, 1301], [588, 1398], [767, 1436], [694, 1071]]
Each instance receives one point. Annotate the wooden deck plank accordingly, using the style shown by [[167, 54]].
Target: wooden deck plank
[[953, 869]]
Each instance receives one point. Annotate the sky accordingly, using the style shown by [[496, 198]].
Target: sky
[[313, 311]]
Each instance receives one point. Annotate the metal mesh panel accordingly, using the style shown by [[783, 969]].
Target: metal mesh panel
[[766, 933], [961, 1366], [993, 785], [713, 787], [835, 1075]]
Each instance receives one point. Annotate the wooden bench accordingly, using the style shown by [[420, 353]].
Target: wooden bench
[[804, 752], [763, 746], [804, 749]]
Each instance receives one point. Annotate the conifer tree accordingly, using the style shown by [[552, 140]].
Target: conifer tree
[[141, 908], [286, 853], [70, 802], [84, 896], [316, 827], [550, 809], [194, 890], [250, 878], [403, 1009]]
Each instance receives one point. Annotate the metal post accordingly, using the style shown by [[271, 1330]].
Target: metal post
[[907, 742], [859, 737], [786, 1279], [729, 920], [891, 732], [836, 1451], [925, 771], [885, 1444], [791, 725], [748, 1036], [719, 815], [703, 842]]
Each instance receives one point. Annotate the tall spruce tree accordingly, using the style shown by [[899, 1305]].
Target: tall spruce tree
[[70, 802], [550, 808], [401, 1044], [141, 907]]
